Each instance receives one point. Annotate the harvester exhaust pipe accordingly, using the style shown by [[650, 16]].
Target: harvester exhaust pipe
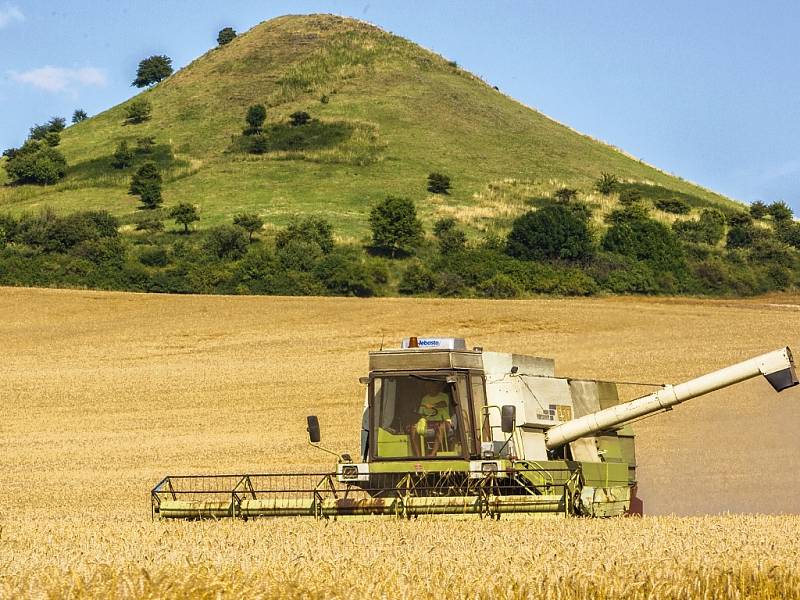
[[777, 367]]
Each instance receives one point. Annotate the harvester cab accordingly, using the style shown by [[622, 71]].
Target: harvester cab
[[451, 430]]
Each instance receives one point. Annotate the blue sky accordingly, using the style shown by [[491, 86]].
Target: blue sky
[[706, 90]]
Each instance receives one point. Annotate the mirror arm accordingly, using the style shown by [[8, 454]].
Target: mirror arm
[[338, 456], [503, 447]]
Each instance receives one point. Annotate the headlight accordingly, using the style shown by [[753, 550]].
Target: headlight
[[350, 472]]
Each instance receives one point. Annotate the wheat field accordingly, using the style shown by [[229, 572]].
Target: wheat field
[[104, 393]]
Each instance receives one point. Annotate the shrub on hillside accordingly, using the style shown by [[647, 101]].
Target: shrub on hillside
[[544, 278], [312, 229], [451, 285], [50, 232], [225, 36], [259, 144], [154, 256], [395, 226], [54, 125], [226, 242], [298, 254], [151, 223], [258, 269], [770, 251], [438, 183], [105, 252], [255, 119], [742, 233], [499, 286], [152, 70], [758, 210], [79, 115], [122, 157], [644, 239], [729, 275], [780, 211], [739, 218], [622, 275], [552, 232], [36, 162], [565, 195], [627, 213], [416, 279], [299, 118], [283, 137], [344, 273], [472, 265], [789, 233], [8, 228], [52, 139], [250, 222], [138, 111], [630, 196], [146, 183], [451, 239], [606, 184], [675, 206], [708, 229], [145, 144]]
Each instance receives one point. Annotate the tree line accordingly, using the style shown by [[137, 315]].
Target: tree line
[[555, 249]]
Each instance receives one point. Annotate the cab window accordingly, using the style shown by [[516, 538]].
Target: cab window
[[416, 416]]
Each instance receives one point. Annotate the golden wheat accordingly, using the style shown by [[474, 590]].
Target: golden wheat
[[104, 393]]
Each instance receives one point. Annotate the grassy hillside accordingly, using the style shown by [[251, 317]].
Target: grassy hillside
[[407, 112]]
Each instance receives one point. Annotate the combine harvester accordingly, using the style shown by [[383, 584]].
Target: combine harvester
[[447, 430]]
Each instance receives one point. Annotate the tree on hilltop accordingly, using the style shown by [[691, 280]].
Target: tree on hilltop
[[152, 70], [79, 115]]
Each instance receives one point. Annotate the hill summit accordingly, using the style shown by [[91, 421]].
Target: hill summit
[[387, 112]]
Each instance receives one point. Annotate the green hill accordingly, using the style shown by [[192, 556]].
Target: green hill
[[389, 112]]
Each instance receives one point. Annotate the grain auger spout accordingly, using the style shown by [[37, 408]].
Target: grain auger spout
[[777, 367], [448, 430]]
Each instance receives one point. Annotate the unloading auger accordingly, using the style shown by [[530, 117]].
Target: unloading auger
[[446, 430]]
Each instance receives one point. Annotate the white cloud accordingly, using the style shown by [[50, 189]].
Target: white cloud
[[10, 13], [59, 79]]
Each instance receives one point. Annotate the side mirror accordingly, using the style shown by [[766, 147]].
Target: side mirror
[[508, 418], [313, 429]]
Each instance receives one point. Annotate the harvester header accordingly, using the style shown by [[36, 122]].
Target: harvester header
[[447, 430]]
